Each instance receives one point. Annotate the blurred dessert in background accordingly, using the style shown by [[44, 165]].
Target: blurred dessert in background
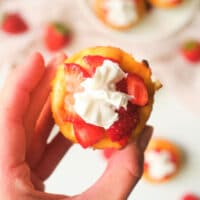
[[162, 161], [120, 14], [165, 3]]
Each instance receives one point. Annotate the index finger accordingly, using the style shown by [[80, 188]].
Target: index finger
[[123, 171], [13, 106]]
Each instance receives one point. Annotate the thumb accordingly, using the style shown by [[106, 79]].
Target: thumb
[[124, 170]]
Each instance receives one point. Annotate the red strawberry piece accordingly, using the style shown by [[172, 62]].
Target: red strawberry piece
[[146, 165], [122, 86], [95, 61], [68, 113], [75, 74], [56, 36], [13, 23], [190, 197], [108, 152], [191, 51], [72, 68], [137, 90], [157, 150], [124, 141], [88, 134], [123, 127]]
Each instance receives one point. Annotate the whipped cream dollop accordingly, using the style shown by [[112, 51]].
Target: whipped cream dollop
[[121, 12], [98, 102], [159, 163]]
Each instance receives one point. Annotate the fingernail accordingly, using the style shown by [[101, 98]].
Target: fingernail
[[145, 137], [35, 57]]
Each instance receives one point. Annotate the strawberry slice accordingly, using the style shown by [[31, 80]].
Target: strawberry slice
[[123, 127], [13, 23], [88, 134], [191, 51], [190, 196], [73, 68], [137, 90], [74, 75], [95, 61], [56, 36]]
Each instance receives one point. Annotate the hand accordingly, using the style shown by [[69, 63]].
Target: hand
[[26, 159]]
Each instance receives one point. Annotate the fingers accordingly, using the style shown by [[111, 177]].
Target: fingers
[[123, 171], [13, 106], [17, 89], [52, 156], [37, 183], [40, 95], [43, 128], [145, 137]]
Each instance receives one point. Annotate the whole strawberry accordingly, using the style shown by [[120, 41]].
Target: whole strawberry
[[13, 23], [56, 36], [191, 51], [190, 196]]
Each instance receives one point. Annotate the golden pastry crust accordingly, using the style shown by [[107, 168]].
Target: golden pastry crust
[[101, 14], [165, 4], [128, 64], [163, 144]]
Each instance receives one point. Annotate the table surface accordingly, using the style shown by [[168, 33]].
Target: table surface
[[176, 114]]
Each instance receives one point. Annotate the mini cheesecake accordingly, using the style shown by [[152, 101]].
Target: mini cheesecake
[[162, 161], [102, 97], [165, 3], [120, 14]]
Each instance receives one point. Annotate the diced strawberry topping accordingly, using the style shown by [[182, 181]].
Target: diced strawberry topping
[[74, 75], [123, 127], [172, 156], [190, 197], [157, 150], [137, 90], [146, 165], [88, 134], [124, 141], [95, 61], [122, 86], [56, 36], [14, 23]]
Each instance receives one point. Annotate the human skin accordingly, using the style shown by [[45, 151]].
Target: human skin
[[27, 160]]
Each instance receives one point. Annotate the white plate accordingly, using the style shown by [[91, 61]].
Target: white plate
[[158, 23]]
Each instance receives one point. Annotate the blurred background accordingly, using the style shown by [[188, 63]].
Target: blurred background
[[158, 37]]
